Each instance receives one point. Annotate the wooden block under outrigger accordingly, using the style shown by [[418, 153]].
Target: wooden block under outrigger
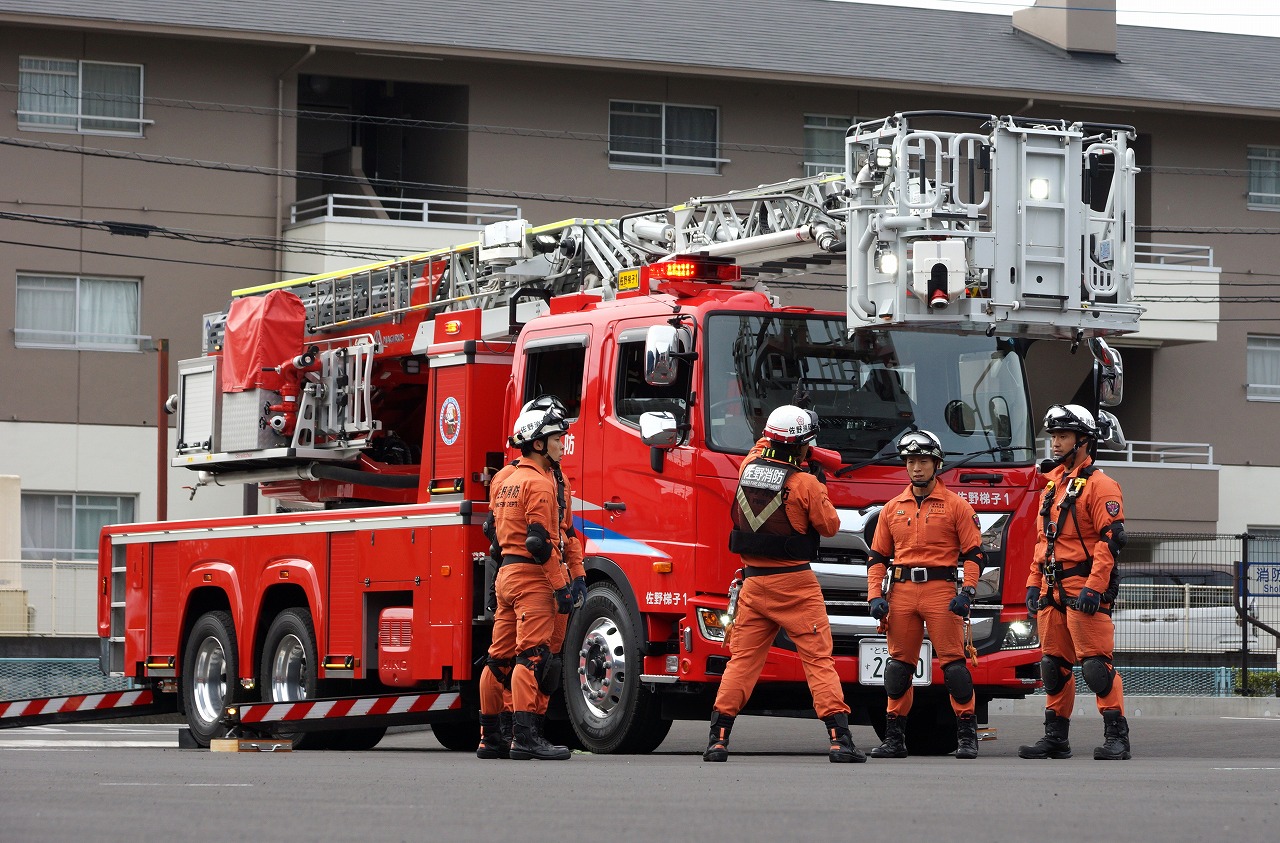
[[250, 745]]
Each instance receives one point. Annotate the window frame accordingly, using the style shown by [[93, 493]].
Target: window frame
[[813, 168], [1255, 156], [78, 503], [664, 156], [129, 342], [1256, 391], [79, 117]]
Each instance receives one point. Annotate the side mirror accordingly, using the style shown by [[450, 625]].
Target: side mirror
[[1109, 432], [658, 430], [1110, 370], [663, 345]]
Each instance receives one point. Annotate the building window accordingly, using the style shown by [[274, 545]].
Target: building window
[[1264, 177], [90, 97], [66, 527], [1262, 368], [68, 311], [659, 136], [824, 143]]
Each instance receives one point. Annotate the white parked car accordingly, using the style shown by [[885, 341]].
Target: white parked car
[[1185, 611]]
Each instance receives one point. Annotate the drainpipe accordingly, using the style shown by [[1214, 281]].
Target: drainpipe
[[279, 231]]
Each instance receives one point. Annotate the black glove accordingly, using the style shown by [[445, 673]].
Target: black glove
[[1033, 601], [578, 590], [491, 601], [816, 470], [879, 607], [564, 600], [1089, 601], [960, 603]]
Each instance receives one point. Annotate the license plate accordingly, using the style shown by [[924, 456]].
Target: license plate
[[873, 655]]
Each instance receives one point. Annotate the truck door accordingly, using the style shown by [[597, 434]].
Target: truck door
[[635, 515]]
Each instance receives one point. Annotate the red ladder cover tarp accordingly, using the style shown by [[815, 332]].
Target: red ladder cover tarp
[[262, 332]]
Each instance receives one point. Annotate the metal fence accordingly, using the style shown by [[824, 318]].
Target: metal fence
[[49, 598], [1178, 594], [23, 679]]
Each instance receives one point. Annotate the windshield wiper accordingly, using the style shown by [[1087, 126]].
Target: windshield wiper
[[965, 458]]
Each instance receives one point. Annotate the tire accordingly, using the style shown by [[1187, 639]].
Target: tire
[[458, 735], [210, 675], [609, 708], [287, 672], [353, 740]]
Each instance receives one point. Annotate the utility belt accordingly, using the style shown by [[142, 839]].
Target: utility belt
[[903, 573], [756, 571], [512, 559]]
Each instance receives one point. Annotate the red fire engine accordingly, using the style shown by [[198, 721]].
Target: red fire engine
[[372, 406]]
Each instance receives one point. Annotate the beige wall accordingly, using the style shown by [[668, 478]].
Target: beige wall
[[1191, 393]]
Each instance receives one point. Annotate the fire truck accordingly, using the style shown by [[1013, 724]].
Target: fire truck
[[372, 406]]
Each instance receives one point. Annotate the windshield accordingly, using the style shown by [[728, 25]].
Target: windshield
[[868, 389]]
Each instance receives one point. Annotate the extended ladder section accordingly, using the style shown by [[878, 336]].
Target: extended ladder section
[[1018, 226]]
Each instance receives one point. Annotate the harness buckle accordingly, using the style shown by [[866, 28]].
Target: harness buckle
[[919, 574]]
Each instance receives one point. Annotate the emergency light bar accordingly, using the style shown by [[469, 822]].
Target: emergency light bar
[[697, 269]]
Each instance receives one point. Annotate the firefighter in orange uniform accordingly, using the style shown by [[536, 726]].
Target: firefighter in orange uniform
[[922, 537], [572, 557], [1072, 585], [779, 514], [532, 587]]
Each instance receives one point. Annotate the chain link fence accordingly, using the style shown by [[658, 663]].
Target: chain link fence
[[23, 679], [49, 598]]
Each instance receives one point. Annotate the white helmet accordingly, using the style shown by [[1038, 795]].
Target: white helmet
[[921, 443], [1071, 417], [792, 425], [533, 425]]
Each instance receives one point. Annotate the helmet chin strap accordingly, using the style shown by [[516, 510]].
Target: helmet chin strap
[[1049, 465]]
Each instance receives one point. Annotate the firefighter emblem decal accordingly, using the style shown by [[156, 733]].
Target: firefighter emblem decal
[[1113, 508], [450, 422]]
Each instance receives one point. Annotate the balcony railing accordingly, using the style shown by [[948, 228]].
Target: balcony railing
[[1144, 452], [346, 207], [50, 597]]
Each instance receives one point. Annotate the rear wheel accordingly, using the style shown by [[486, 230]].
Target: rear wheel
[[608, 706], [288, 674], [458, 735], [211, 676]]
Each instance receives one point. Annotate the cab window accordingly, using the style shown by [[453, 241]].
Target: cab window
[[633, 396], [556, 369]]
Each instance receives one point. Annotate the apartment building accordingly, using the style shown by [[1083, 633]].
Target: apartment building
[[156, 157]]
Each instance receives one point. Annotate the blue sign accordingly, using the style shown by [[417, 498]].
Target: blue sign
[[1263, 579]]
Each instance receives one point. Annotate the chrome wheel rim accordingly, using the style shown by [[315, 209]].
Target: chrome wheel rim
[[289, 670], [209, 684], [602, 667]]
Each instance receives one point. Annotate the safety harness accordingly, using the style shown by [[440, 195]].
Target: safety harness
[[760, 523], [1053, 577]]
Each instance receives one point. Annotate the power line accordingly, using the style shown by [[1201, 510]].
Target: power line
[[31, 245]]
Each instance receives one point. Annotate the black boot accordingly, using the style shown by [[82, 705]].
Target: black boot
[[527, 742], [966, 736], [895, 738], [842, 749], [1054, 744], [506, 730], [491, 743], [1115, 738], [718, 742]]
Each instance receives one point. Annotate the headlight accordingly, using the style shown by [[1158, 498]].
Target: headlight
[[711, 624], [1021, 635]]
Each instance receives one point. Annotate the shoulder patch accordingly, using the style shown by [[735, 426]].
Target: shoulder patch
[[1113, 508], [976, 522]]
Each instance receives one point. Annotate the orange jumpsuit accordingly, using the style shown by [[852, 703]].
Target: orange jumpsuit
[[1068, 636], [792, 602], [937, 533], [573, 561], [526, 613]]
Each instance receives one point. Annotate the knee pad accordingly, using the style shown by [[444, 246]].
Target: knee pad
[[897, 678], [1098, 674], [959, 682], [1051, 673], [501, 670], [544, 666]]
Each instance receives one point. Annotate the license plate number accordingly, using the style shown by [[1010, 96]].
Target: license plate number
[[873, 655]]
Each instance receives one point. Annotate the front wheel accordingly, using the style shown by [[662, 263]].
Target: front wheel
[[609, 708], [210, 674]]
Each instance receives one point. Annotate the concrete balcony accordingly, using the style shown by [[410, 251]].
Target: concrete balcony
[[1158, 501], [337, 231], [1178, 285]]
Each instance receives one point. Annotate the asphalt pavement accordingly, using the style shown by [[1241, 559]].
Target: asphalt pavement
[[1197, 774]]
